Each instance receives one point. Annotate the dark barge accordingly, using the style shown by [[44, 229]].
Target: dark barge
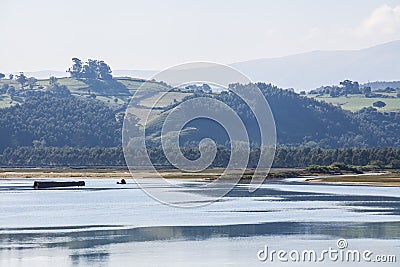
[[42, 184]]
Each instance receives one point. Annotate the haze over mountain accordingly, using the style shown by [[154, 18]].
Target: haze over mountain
[[303, 71], [312, 69]]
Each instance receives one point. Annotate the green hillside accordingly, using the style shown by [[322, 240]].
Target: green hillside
[[115, 93], [356, 102], [318, 119], [299, 121]]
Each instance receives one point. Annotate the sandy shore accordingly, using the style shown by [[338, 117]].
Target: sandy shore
[[103, 173], [376, 179], [209, 174]]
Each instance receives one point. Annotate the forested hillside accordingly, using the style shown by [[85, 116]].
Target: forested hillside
[[54, 121], [301, 121], [55, 118]]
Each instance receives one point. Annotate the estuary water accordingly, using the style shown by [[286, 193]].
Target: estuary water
[[105, 224]]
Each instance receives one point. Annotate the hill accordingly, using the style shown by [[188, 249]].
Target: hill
[[46, 120], [299, 121], [67, 114], [116, 93], [310, 70], [356, 102]]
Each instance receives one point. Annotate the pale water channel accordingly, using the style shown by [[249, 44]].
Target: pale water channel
[[105, 224]]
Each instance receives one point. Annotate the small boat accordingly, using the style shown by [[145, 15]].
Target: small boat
[[42, 184], [122, 182]]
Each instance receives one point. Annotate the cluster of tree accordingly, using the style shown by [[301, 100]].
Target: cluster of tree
[[59, 121], [7, 89], [348, 87], [335, 168], [92, 69], [388, 90], [337, 159], [381, 85], [62, 156], [199, 88], [54, 89], [306, 156], [23, 80], [380, 128], [57, 90]]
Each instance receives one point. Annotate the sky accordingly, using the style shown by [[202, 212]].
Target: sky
[[156, 34]]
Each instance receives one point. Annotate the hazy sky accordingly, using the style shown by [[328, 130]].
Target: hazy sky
[[155, 34]]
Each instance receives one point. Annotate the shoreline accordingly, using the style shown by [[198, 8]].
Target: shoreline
[[370, 179], [389, 179]]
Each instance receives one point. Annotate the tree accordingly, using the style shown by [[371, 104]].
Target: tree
[[89, 70], [367, 90], [76, 69], [206, 88], [21, 79], [395, 164], [333, 93], [379, 104], [52, 80], [31, 82], [4, 88], [350, 87], [104, 71], [59, 90], [11, 91], [2, 75], [92, 69]]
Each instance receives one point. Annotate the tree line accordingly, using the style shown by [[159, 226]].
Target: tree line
[[285, 157], [348, 87]]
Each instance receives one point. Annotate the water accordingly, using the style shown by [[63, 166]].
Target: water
[[105, 224]]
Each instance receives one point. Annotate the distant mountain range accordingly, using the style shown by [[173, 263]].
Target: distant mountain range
[[304, 71], [311, 70]]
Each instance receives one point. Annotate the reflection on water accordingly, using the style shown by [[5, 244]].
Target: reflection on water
[[89, 258], [103, 224], [87, 238]]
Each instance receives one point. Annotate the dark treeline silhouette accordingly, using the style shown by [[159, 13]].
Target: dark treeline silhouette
[[113, 156]]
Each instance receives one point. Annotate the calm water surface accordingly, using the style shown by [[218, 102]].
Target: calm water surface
[[105, 224]]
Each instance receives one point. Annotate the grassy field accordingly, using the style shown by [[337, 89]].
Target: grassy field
[[118, 92], [357, 102], [163, 100], [115, 93]]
